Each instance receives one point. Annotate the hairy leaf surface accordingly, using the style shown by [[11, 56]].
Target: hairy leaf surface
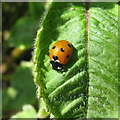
[[103, 61]]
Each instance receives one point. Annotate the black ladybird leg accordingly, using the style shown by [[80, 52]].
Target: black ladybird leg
[[51, 62]]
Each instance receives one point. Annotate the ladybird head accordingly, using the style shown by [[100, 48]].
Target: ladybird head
[[56, 65]]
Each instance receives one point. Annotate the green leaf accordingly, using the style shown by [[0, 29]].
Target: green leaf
[[60, 90], [23, 33], [28, 111], [42, 112], [87, 88], [22, 89], [103, 61]]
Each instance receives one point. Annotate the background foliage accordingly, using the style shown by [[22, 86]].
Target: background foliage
[[20, 23]]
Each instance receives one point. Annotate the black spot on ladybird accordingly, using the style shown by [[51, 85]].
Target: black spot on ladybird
[[69, 45], [62, 49], [68, 56], [55, 57], [53, 47]]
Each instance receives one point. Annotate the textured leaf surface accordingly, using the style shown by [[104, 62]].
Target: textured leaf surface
[[91, 68], [103, 61], [64, 92]]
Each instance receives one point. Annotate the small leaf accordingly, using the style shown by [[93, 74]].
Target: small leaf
[[23, 33], [28, 111]]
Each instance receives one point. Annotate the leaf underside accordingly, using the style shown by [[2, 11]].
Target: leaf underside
[[88, 85]]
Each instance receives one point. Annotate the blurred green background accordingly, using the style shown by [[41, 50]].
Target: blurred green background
[[20, 22]]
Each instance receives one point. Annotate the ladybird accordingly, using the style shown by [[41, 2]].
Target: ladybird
[[60, 54]]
